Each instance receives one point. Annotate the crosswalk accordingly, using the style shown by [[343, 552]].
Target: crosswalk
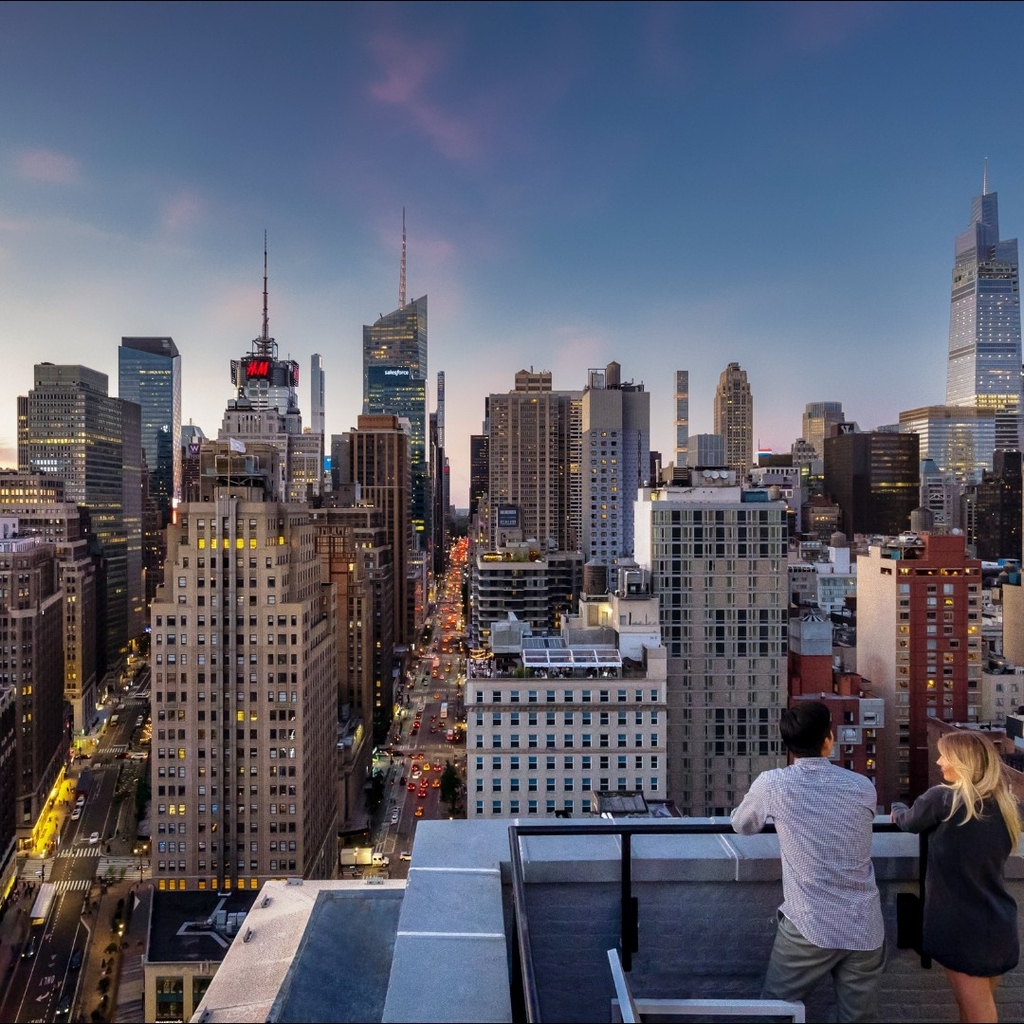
[[82, 851], [115, 748], [74, 885]]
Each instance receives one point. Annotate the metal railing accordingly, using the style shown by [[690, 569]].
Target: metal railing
[[524, 979]]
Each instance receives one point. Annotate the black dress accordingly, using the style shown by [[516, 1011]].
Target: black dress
[[970, 920]]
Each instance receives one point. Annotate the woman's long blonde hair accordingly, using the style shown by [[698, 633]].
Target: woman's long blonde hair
[[979, 777]]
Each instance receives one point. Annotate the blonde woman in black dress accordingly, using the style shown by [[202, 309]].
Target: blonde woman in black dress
[[974, 824]]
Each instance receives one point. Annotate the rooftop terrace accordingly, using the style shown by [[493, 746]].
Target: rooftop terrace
[[446, 946]]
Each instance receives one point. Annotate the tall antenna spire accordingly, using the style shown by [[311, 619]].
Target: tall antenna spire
[[265, 337], [401, 273], [984, 179]]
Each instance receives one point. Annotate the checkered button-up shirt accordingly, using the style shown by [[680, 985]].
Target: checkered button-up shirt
[[823, 816]]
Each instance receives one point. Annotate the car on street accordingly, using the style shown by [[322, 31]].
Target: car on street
[[94, 838], [76, 960], [419, 811], [411, 787], [405, 855], [394, 817]]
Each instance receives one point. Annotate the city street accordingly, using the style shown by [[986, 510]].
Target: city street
[[432, 711], [44, 981]]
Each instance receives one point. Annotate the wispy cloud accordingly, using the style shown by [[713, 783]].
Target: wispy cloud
[[821, 27], [181, 211], [410, 69], [47, 167]]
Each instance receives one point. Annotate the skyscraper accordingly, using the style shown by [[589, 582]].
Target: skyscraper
[[479, 471], [818, 421], [244, 687], [734, 418], [266, 409], [717, 558], [316, 394], [149, 374], [534, 446], [377, 458], [70, 427], [31, 604], [616, 436], [984, 367], [682, 416], [440, 491], [875, 478], [398, 341], [395, 384]]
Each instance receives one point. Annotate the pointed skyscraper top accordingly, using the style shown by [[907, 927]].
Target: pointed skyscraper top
[[401, 272], [265, 336]]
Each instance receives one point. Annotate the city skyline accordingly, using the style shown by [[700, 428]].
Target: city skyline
[[574, 178]]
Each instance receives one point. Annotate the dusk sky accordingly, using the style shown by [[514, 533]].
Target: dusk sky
[[669, 186]]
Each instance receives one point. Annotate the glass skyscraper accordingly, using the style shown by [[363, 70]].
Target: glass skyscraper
[[149, 374], [69, 427], [984, 368], [398, 342]]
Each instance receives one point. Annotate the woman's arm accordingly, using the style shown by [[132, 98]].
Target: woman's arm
[[929, 810]]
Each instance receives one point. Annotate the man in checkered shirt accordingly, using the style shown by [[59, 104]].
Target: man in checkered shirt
[[830, 921]]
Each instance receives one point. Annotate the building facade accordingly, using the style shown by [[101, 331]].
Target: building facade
[[984, 361], [149, 374], [994, 508], [875, 478], [398, 342], [265, 410], [317, 387], [616, 434], [34, 504], [244, 696], [479, 472], [919, 642], [734, 418], [682, 422], [716, 555], [535, 448], [69, 427], [819, 419], [377, 456], [31, 660], [535, 587], [355, 556], [574, 720]]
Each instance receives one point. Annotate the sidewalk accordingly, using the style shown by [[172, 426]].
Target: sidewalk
[[14, 929], [120, 966]]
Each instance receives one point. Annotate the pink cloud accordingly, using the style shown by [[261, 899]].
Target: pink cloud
[[817, 27], [409, 68], [47, 167], [181, 211]]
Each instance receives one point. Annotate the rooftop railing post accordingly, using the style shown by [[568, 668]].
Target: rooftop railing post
[[629, 942]]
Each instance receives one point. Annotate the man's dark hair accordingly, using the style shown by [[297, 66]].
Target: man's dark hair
[[805, 727]]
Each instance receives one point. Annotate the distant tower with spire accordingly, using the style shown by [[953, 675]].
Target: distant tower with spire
[[266, 409], [984, 358], [395, 383]]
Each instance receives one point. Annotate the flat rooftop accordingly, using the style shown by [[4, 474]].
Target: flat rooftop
[[194, 926], [443, 945]]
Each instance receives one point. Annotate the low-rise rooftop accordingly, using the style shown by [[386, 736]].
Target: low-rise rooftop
[[448, 944]]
